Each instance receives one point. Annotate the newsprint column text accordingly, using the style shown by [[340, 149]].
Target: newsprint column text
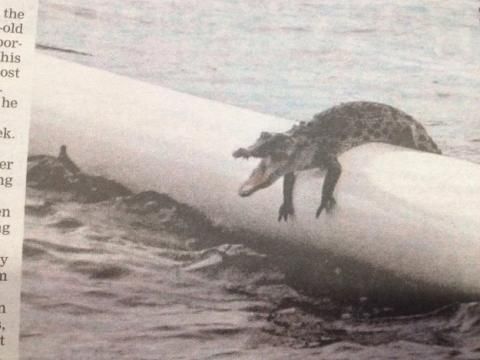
[[17, 39]]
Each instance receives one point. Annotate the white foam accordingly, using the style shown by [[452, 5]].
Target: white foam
[[413, 213]]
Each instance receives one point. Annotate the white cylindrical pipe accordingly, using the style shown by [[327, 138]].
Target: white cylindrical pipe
[[412, 213]]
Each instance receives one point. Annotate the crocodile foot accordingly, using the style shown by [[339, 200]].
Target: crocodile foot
[[327, 204], [285, 211]]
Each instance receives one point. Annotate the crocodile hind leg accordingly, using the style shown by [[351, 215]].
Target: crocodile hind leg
[[286, 209], [334, 169]]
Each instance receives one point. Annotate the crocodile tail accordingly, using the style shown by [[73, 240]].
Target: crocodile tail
[[424, 142]]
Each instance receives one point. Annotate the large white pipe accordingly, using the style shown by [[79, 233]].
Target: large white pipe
[[412, 213]]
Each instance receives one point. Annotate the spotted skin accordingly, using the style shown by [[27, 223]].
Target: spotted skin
[[355, 123], [318, 143]]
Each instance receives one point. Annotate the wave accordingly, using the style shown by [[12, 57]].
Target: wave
[[175, 276]]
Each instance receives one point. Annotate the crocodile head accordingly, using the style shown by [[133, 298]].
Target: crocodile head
[[276, 152]]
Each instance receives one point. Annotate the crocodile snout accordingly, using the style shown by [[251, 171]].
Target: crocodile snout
[[241, 153]]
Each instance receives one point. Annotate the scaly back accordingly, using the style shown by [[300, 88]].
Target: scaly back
[[354, 123]]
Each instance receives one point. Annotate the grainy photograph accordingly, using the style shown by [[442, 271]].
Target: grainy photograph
[[234, 179]]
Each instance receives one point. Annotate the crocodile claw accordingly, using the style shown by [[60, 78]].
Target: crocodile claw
[[327, 204], [285, 211]]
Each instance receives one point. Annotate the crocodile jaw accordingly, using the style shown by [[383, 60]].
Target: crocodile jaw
[[252, 185], [263, 176]]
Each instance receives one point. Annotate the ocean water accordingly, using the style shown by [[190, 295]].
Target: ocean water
[[125, 279], [291, 58]]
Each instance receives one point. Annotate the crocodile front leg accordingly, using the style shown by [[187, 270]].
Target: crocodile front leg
[[334, 169], [286, 209]]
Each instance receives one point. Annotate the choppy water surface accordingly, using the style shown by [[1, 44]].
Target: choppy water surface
[[141, 276], [129, 280]]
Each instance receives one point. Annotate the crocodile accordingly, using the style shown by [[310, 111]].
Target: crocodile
[[319, 142]]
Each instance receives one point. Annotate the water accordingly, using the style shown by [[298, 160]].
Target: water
[[122, 280], [291, 58], [145, 277]]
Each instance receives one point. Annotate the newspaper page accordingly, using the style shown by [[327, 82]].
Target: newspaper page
[[17, 36], [240, 180]]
